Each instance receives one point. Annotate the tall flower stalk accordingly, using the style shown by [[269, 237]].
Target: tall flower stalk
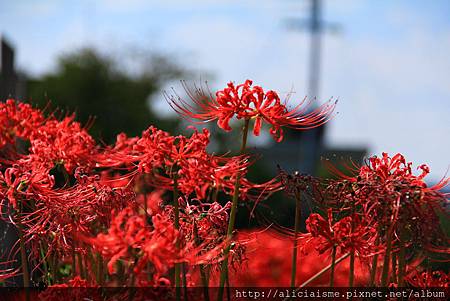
[[387, 258], [23, 254], [351, 275], [333, 265], [234, 204], [176, 206], [298, 217]]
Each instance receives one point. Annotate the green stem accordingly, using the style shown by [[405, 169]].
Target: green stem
[[87, 276], [177, 226], [55, 266], [132, 291], [351, 276], [394, 268], [373, 271], [333, 266], [121, 272], [92, 271], [44, 263], [203, 276], [205, 283], [99, 269], [374, 266], [183, 269], [23, 254], [387, 256], [228, 287], [51, 273], [401, 265], [216, 194], [80, 265], [74, 265], [226, 251], [145, 209], [298, 216]]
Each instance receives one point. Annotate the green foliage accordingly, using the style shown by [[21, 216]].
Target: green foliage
[[94, 85]]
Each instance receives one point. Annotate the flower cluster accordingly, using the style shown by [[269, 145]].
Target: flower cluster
[[72, 199], [347, 234], [383, 209], [159, 210]]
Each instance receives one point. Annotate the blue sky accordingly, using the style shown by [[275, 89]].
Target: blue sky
[[389, 65]]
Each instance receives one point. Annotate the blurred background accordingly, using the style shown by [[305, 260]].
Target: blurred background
[[386, 61]]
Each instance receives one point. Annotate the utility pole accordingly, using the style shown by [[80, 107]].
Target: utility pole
[[310, 143], [316, 26], [315, 48]]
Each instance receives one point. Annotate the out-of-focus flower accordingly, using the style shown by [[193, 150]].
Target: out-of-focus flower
[[267, 264], [347, 234], [161, 158], [245, 101], [18, 120], [137, 244], [429, 279], [74, 289]]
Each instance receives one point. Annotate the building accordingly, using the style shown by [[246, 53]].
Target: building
[[12, 83]]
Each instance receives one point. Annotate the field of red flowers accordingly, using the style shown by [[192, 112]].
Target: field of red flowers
[[159, 211]]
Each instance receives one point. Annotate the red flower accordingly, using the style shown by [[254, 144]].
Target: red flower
[[392, 199], [266, 264], [429, 279], [85, 290], [18, 120], [137, 244], [347, 234], [247, 102]]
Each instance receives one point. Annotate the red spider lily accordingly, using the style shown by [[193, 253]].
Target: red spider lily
[[62, 142], [127, 230], [162, 157], [395, 197], [205, 224], [17, 182], [51, 218], [75, 282], [202, 222], [131, 240], [18, 120], [390, 195], [147, 152], [429, 279], [109, 203], [74, 289], [52, 142], [347, 234], [247, 102], [153, 200]]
